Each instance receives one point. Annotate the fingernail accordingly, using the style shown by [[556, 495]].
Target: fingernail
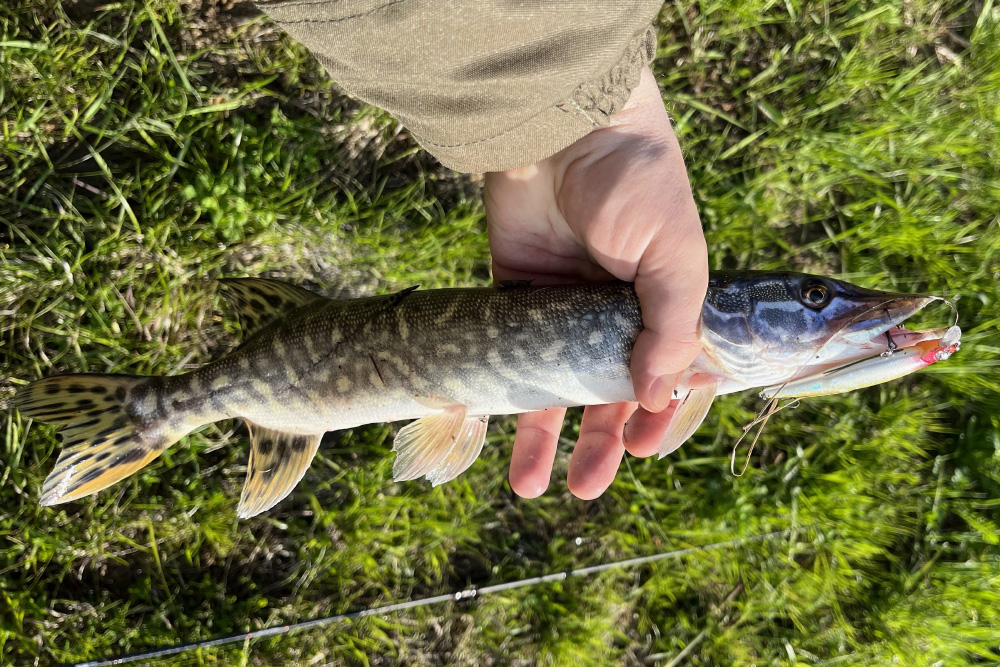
[[661, 392]]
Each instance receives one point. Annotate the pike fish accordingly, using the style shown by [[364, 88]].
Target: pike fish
[[448, 359]]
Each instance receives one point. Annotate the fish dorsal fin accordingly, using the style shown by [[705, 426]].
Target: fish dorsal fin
[[439, 447], [260, 301], [277, 462], [690, 413]]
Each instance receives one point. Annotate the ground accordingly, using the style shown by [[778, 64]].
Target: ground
[[149, 148]]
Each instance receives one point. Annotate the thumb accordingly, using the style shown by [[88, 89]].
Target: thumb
[[671, 282]]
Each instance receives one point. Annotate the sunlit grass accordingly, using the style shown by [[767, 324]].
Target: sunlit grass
[[140, 160]]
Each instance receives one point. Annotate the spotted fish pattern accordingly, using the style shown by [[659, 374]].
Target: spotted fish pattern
[[446, 358]]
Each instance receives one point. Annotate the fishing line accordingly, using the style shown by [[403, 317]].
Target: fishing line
[[765, 414], [468, 594], [771, 406]]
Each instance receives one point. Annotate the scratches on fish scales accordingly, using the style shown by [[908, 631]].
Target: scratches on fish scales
[[394, 300]]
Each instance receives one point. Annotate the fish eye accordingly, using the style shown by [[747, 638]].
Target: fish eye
[[815, 294]]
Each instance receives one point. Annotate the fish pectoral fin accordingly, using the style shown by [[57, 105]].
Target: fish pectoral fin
[[260, 301], [439, 447], [277, 462], [690, 413]]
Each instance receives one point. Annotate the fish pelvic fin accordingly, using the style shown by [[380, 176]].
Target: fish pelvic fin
[[260, 301], [278, 461], [439, 447], [108, 432], [688, 416]]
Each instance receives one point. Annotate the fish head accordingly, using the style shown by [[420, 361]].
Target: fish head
[[760, 326]]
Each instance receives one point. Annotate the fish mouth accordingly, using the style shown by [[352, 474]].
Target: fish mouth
[[881, 317], [878, 333], [909, 352]]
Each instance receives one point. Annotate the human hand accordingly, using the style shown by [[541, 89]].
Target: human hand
[[615, 204]]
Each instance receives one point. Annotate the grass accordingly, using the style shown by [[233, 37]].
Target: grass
[[148, 148]]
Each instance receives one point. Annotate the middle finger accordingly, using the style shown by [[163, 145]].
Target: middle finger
[[599, 451]]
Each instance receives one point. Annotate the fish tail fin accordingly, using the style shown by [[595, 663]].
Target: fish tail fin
[[111, 429]]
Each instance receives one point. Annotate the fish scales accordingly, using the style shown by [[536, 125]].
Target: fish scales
[[355, 362], [450, 358]]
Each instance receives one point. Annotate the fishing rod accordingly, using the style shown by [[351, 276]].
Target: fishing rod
[[467, 594]]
